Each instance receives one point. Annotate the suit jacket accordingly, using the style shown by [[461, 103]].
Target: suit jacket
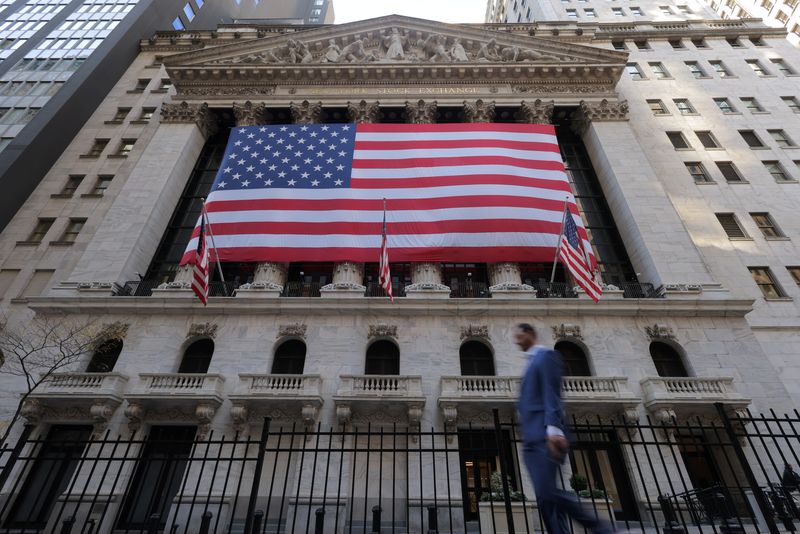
[[540, 402]]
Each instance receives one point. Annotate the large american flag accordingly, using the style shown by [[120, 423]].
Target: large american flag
[[456, 192], [573, 254]]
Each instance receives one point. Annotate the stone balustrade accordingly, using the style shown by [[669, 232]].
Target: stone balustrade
[[259, 394], [181, 383], [280, 385], [669, 398], [357, 392], [83, 384]]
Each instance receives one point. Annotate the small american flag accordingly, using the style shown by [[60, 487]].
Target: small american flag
[[572, 253], [384, 276], [200, 264]]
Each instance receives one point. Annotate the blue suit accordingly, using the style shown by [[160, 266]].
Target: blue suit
[[540, 407]]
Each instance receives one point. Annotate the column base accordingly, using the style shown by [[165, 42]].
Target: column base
[[344, 290], [427, 291], [512, 291], [259, 290]]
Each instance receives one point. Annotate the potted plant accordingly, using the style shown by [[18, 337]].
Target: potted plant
[[492, 503], [594, 500]]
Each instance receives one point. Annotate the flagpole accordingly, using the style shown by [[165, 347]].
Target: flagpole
[[560, 235], [214, 246]]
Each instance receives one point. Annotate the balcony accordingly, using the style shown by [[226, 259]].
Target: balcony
[[668, 398], [374, 289], [259, 394], [77, 396], [175, 396], [144, 288], [360, 398], [301, 289]]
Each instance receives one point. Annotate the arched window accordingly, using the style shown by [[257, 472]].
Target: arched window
[[197, 357], [575, 361], [476, 359], [290, 358], [105, 356], [383, 358], [667, 360]]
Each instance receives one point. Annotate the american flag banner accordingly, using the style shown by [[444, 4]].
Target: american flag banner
[[200, 264], [384, 276], [483, 192], [573, 254]]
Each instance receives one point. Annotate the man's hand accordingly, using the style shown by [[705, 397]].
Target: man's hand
[[558, 446]]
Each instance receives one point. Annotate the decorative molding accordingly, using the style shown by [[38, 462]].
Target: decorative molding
[[684, 288], [98, 286], [32, 411], [604, 111], [382, 330], [134, 412], [479, 111], [421, 112], [224, 90], [475, 331], [565, 331], [248, 114], [204, 413], [292, 330], [536, 112], [306, 112], [658, 331], [202, 330], [185, 113], [578, 87], [364, 112]]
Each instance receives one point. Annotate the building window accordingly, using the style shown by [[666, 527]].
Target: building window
[[197, 357], [684, 106], [189, 12], [97, 148], [777, 171], [164, 85], [141, 85], [40, 230], [574, 359], [105, 356], [572, 14], [74, 227], [730, 224], [120, 115], [707, 139], [677, 44], [147, 114], [781, 139], [729, 172], [476, 359], [590, 13], [767, 225], [792, 103], [781, 65], [657, 107], [695, 69], [637, 12], [683, 9], [177, 24], [290, 358], [634, 71], [751, 104], [766, 282], [659, 71], [724, 105], [734, 42], [757, 67], [751, 138], [73, 181], [795, 272], [642, 44], [619, 45], [665, 10], [102, 183], [667, 360], [678, 141], [698, 172], [720, 69], [617, 11], [699, 42], [125, 147], [383, 358]]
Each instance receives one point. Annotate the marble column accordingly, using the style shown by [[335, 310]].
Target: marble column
[[624, 172], [142, 210], [426, 278]]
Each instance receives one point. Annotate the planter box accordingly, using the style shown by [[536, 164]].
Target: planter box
[[518, 512]]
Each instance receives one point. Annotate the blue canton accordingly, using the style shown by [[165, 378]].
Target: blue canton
[[571, 232], [299, 156]]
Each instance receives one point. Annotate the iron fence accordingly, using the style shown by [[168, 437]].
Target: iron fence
[[721, 474]]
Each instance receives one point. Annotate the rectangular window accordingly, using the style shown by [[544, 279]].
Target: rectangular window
[[766, 282], [684, 9], [677, 44], [74, 227], [590, 13], [734, 42], [767, 225], [659, 71], [147, 114], [617, 12], [637, 11], [795, 273], [781, 139], [102, 183], [684, 106], [757, 67], [72, 184], [695, 69], [792, 103], [777, 171], [619, 45], [724, 105], [678, 140], [665, 10], [783, 67], [572, 14], [177, 24], [40, 230], [707, 139], [700, 43], [751, 104], [729, 172], [731, 226], [757, 41], [165, 84], [634, 71], [642, 45], [720, 69], [698, 172], [125, 147], [657, 107], [189, 12], [141, 85], [120, 115], [97, 148], [751, 138]]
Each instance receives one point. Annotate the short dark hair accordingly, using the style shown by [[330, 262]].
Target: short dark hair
[[527, 328]]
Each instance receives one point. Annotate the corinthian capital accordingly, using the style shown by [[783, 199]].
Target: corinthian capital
[[421, 112], [306, 112], [604, 110], [365, 112], [185, 113], [536, 112], [248, 114], [479, 111]]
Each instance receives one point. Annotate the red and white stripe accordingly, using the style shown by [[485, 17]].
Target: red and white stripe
[[459, 192], [577, 264], [200, 266]]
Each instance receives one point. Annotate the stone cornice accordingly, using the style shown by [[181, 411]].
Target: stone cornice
[[574, 308]]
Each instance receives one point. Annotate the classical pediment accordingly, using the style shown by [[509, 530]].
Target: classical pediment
[[389, 47]]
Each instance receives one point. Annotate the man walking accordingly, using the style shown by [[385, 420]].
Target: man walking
[[545, 445]]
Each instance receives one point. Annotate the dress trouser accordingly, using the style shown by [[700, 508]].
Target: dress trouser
[[556, 504]]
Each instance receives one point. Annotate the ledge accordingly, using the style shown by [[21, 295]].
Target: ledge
[[62, 243], [92, 195], [61, 195], [28, 243]]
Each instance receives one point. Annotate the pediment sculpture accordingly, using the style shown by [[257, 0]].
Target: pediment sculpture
[[394, 45]]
